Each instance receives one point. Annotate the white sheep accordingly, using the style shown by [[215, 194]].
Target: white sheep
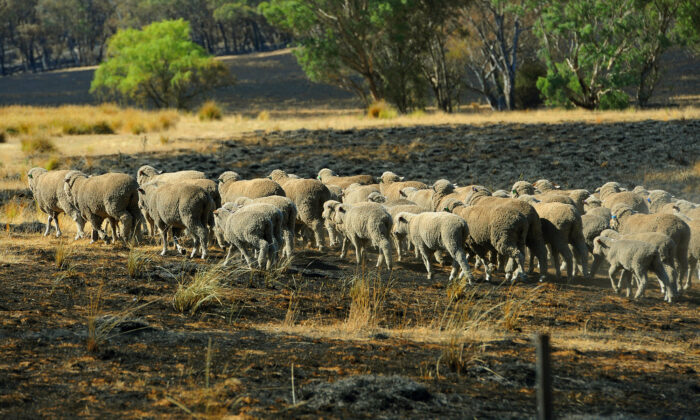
[[401, 243], [436, 231], [247, 227], [423, 198], [327, 176], [693, 253], [231, 187], [612, 193], [365, 224], [356, 193], [391, 185], [147, 174], [636, 258], [289, 213], [51, 198]]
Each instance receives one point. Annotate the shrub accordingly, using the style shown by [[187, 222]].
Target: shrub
[[527, 95], [263, 116], [53, 163], [3, 137], [37, 145], [381, 109], [210, 111]]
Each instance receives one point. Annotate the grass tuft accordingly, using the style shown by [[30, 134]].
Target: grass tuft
[[204, 286], [62, 256], [137, 263], [210, 111], [381, 110], [34, 145], [263, 116], [368, 293]]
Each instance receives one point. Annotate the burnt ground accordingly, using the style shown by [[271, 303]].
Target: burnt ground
[[422, 355]]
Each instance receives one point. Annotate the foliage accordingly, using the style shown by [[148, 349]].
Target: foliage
[[34, 145], [209, 111], [158, 66], [527, 96]]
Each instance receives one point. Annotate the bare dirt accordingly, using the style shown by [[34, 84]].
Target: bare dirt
[[613, 358]]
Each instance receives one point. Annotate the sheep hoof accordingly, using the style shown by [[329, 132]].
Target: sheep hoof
[[58, 234], [162, 253]]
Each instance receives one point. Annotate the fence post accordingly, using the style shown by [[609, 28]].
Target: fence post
[[544, 378]]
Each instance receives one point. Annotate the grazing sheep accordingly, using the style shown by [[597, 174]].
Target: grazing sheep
[[207, 185], [592, 226], [357, 193], [500, 230], [47, 189], [111, 196], [656, 199], [561, 227], [401, 243], [635, 258], [308, 195], [626, 221], [392, 184], [612, 193], [436, 231], [179, 207], [544, 186], [147, 174], [327, 176], [479, 196], [247, 227], [231, 187], [693, 253], [366, 224], [289, 213], [335, 235], [546, 192], [423, 198]]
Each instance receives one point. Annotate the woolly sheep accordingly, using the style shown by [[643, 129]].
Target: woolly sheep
[[501, 230], [365, 224], [626, 221], [635, 258], [327, 176], [544, 186], [336, 192], [147, 174], [392, 184], [546, 192], [357, 193], [47, 189], [423, 198], [393, 210], [289, 213], [111, 196], [500, 193], [178, 207], [561, 227], [592, 226], [308, 195], [656, 199], [231, 187], [248, 227], [611, 194], [479, 196], [693, 253], [436, 231], [335, 235]]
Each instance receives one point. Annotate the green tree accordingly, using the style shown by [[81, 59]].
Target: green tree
[[158, 66]]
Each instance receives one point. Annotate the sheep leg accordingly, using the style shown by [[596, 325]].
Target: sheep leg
[[692, 266], [200, 235], [611, 273], [426, 260], [460, 257], [288, 243], [670, 286], [626, 280], [244, 252], [581, 254], [344, 247], [385, 251], [358, 248], [595, 265], [48, 225], [127, 226], [317, 227], [397, 245], [163, 238], [263, 250], [97, 232], [641, 275]]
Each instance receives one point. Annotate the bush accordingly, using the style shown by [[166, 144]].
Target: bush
[[527, 95], [3, 137], [100, 127], [263, 116], [210, 111], [381, 110], [37, 145]]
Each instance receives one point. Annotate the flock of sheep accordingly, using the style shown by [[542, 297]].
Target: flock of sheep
[[634, 231]]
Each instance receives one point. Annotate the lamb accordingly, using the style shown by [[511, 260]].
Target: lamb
[[626, 221], [177, 207], [479, 196], [500, 230], [335, 235], [592, 226], [147, 174], [693, 253], [423, 198], [366, 224], [393, 210], [248, 227], [289, 213], [636, 258], [561, 226], [231, 187], [47, 189], [612, 193], [357, 193], [327, 176], [436, 231], [111, 196], [391, 185], [308, 195]]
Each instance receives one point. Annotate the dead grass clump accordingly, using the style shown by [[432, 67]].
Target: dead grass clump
[[457, 355], [62, 256], [204, 286], [381, 110], [514, 306], [82, 127], [368, 293], [35, 145], [52, 163], [263, 116], [13, 210], [137, 263], [210, 111]]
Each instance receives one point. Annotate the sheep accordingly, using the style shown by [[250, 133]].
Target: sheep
[[207, 185], [391, 185], [635, 258], [693, 253], [308, 195], [336, 192], [611, 193], [231, 187], [500, 193], [289, 213], [500, 230], [357, 193], [147, 174], [111, 196], [544, 186], [663, 244], [479, 196], [436, 231], [248, 226], [626, 221], [423, 198], [561, 226], [179, 206], [593, 206], [327, 176], [393, 211], [364, 224], [335, 235], [526, 192], [446, 194], [47, 189], [592, 226], [656, 199]]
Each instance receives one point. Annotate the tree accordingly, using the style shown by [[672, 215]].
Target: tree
[[158, 66]]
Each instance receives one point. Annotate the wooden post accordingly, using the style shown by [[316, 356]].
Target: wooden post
[[544, 378]]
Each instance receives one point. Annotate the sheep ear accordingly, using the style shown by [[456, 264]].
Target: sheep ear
[[401, 178], [474, 189], [141, 191], [402, 194], [341, 209], [216, 211], [401, 219], [160, 172]]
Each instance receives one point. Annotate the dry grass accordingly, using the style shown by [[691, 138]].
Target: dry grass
[[36, 145], [209, 111], [204, 287], [383, 110], [62, 256], [368, 293], [137, 263]]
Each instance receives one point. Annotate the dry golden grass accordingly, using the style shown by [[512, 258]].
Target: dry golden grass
[[205, 286]]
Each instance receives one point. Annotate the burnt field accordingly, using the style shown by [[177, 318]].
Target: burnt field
[[95, 330]]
